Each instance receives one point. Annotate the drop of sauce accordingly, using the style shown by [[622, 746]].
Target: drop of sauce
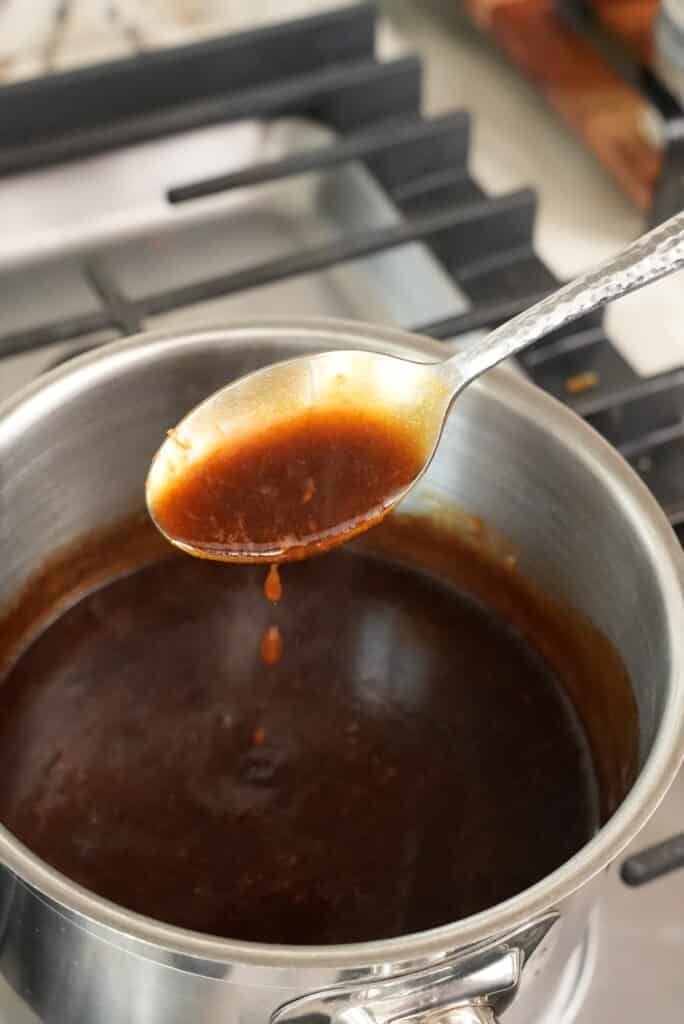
[[271, 646], [258, 736], [273, 588]]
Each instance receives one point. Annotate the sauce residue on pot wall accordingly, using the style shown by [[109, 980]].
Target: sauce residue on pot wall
[[417, 755]]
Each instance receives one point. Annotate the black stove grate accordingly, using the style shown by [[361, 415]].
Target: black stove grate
[[324, 67]]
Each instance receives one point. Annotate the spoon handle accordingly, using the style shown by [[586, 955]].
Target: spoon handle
[[650, 257]]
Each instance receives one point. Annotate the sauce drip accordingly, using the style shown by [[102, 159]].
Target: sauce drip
[[294, 489], [272, 641], [271, 646], [273, 588]]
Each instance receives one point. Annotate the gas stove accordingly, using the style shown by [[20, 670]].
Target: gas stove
[[289, 169]]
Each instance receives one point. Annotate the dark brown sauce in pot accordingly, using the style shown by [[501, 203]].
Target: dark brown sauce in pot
[[411, 758]]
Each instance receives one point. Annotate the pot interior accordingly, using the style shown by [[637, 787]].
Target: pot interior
[[74, 457]]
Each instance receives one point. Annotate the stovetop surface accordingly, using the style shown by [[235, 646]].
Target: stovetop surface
[[380, 219]]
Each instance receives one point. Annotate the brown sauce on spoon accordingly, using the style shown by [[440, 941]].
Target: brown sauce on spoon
[[293, 489]]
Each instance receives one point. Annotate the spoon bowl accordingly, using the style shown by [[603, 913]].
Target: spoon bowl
[[398, 398], [302, 455]]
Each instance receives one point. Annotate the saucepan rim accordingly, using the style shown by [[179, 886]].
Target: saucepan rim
[[524, 400]]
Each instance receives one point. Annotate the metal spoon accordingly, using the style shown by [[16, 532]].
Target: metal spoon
[[417, 395]]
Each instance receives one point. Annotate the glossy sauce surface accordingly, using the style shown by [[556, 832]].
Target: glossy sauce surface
[[294, 489], [409, 760]]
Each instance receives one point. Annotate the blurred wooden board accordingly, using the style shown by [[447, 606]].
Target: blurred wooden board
[[605, 111], [631, 21]]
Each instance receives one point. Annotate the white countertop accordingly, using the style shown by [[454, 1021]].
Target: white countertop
[[43, 35]]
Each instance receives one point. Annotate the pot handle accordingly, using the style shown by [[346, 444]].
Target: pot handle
[[464, 987]]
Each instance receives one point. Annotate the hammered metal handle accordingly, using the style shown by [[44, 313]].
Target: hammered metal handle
[[654, 255]]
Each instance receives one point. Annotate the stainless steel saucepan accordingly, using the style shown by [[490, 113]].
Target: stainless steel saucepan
[[74, 452]]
